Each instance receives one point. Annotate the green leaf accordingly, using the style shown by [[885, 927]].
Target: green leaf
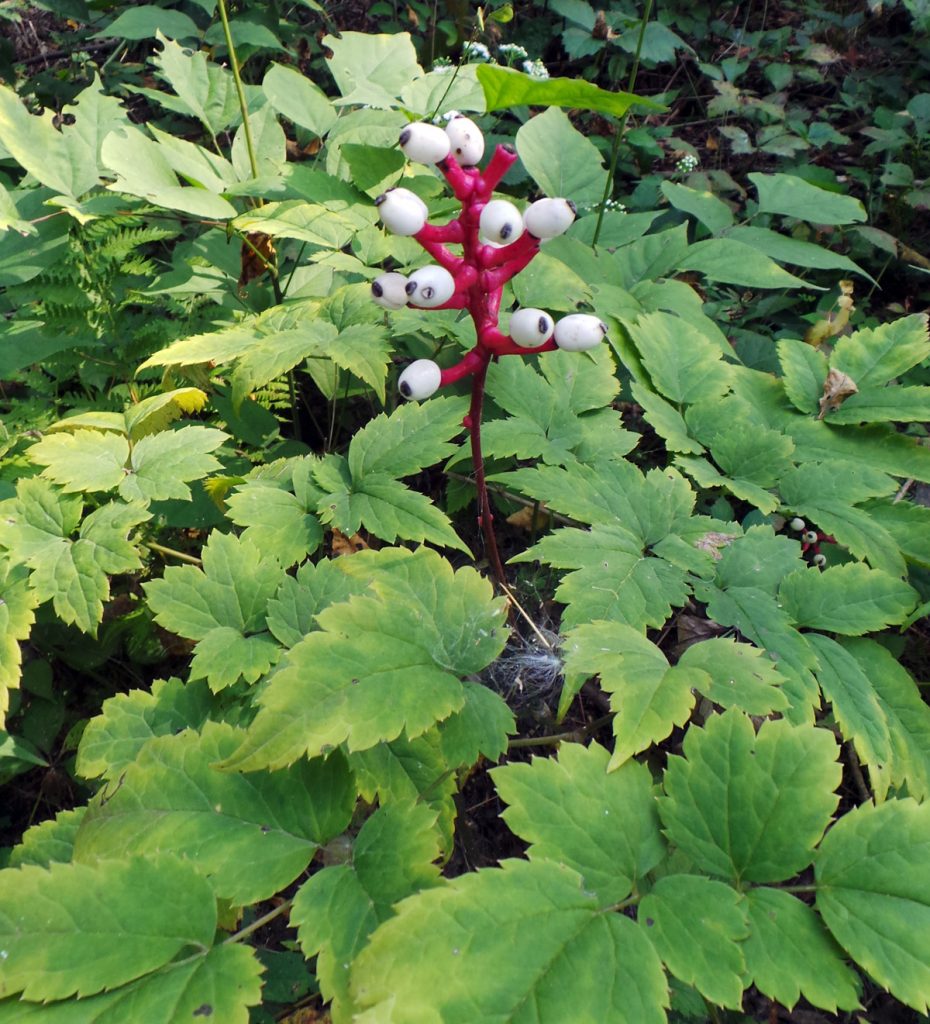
[[873, 892], [249, 836], [276, 521], [560, 158], [372, 69], [572, 812], [205, 89], [665, 419], [805, 369], [856, 706], [683, 365], [145, 21], [293, 609], [300, 220], [161, 464], [696, 925], [898, 404], [712, 212], [761, 558], [739, 675], [86, 460], [542, 936], [298, 99], [723, 259], [789, 954], [850, 599], [17, 604], [48, 843], [224, 603], [225, 981], [35, 144], [649, 697], [505, 88], [337, 909], [908, 720], [793, 197], [876, 355], [79, 929], [907, 523], [481, 727], [387, 678], [786, 249], [113, 739], [751, 807]]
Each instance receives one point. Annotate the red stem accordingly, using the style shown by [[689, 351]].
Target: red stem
[[485, 515]]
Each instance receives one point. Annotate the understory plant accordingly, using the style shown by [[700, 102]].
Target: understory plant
[[237, 606]]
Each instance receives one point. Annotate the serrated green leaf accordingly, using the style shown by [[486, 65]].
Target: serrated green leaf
[[751, 807], [335, 911], [707, 477], [791, 196], [761, 558], [649, 697], [35, 145], [535, 920], [856, 706], [249, 836], [804, 370], [17, 604], [873, 892], [480, 728], [158, 412], [572, 812], [696, 925], [907, 523], [740, 675], [789, 954], [875, 355], [276, 521], [293, 609], [51, 842], [850, 599], [274, 353], [79, 929], [684, 366], [112, 740], [908, 720], [161, 464], [665, 419], [733, 262], [387, 678], [889, 404], [230, 593], [86, 460], [313, 223], [753, 453], [224, 982], [205, 89], [224, 656]]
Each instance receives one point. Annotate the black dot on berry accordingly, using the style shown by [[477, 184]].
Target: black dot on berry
[[543, 325], [376, 290], [405, 136], [404, 389]]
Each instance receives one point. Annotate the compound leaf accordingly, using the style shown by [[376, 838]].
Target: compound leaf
[[747, 806], [50, 842], [87, 460], [873, 892], [739, 675], [876, 355], [604, 826], [17, 605], [162, 463]]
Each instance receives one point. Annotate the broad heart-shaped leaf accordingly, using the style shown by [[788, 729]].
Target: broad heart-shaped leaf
[[696, 924], [222, 606], [50, 842], [789, 954], [791, 196], [562, 160], [613, 578], [127, 721], [572, 812], [220, 984], [850, 599], [751, 807], [372, 69], [523, 944], [299, 99], [79, 929], [366, 676], [17, 603], [339, 907], [505, 88], [876, 355], [873, 892], [740, 675], [856, 706], [908, 719], [683, 365], [249, 835], [649, 696]]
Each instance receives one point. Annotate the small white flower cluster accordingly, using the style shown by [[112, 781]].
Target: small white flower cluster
[[687, 164], [476, 53], [443, 66], [611, 206], [511, 52], [535, 69]]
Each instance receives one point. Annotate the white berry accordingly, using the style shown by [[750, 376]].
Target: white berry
[[401, 211], [425, 143], [390, 291], [547, 218], [430, 286], [531, 327], [500, 222], [797, 524], [819, 560], [420, 379], [809, 537], [466, 140], [579, 331]]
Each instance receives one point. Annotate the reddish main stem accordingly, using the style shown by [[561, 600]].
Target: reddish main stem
[[473, 424]]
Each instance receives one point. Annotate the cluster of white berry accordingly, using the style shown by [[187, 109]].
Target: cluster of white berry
[[687, 164], [497, 241]]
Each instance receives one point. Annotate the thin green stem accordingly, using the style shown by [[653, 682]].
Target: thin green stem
[[240, 91], [574, 736], [621, 128], [171, 553], [259, 922]]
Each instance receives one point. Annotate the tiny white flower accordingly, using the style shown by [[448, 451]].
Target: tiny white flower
[[535, 69], [475, 52]]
